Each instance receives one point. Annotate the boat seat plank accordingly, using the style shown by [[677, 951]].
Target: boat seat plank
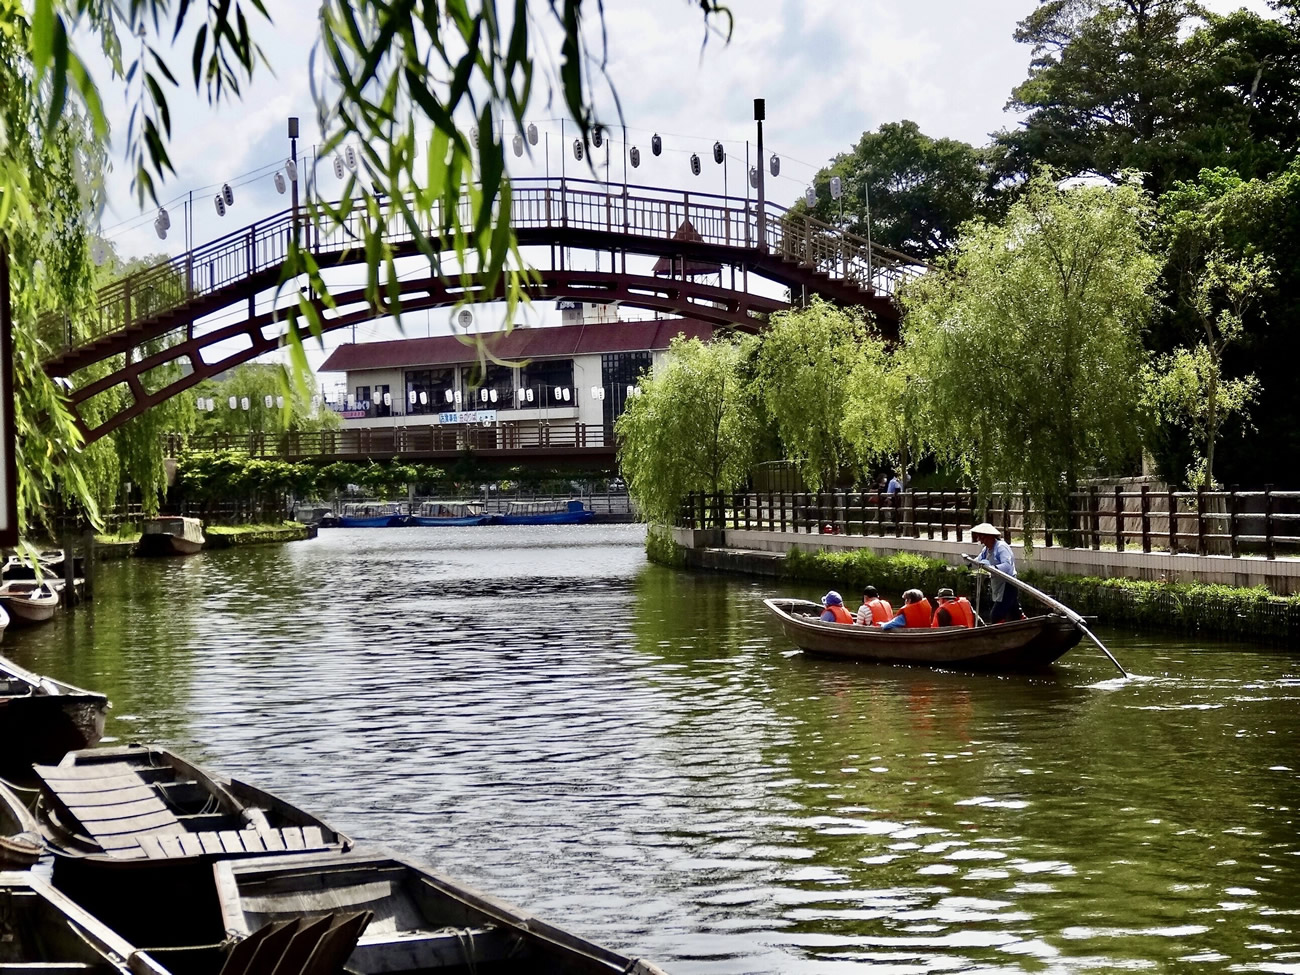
[[112, 797], [273, 839], [152, 847], [77, 785], [171, 845], [230, 841], [312, 837], [148, 822], [91, 814], [252, 840], [211, 842], [293, 838], [191, 845]]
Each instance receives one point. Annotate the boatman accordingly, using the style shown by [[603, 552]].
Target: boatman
[[997, 553], [952, 611], [834, 611], [915, 613], [873, 608]]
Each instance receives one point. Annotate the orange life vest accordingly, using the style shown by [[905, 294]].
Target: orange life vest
[[881, 611], [959, 611], [916, 614], [840, 613]]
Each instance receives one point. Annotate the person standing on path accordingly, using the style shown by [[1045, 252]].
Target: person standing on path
[[997, 553]]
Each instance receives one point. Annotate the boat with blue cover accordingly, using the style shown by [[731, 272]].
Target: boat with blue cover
[[373, 514], [562, 512], [432, 514]]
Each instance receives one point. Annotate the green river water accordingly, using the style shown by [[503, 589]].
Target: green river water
[[639, 755]]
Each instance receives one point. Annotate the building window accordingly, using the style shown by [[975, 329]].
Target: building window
[[495, 378], [363, 399], [544, 378], [380, 407], [431, 387], [618, 371]]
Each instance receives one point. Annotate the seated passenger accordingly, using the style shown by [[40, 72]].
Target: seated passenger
[[952, 611], [834, 611], [915, 613], [873, 608]]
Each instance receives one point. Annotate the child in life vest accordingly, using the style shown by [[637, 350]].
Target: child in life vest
[[834, 611]]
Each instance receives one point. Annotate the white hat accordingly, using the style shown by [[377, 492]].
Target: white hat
[[984, 528]]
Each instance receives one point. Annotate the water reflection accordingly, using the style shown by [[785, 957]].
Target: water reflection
[[637, 753]]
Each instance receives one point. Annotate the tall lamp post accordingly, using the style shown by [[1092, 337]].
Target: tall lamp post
[[293, 172], [760, 112]]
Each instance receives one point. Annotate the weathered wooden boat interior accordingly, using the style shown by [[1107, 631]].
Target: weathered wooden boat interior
[[20, 838], [43, 932], [421, 923]]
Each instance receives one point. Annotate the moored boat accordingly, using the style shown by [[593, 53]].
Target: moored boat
[[563, 512], [29, 600], [135, 830], [424, 921], [372, 514], [320, 515], [1027, 644], [42, 719], [20, 837], [41, 930], [172, 535], [431, 514]]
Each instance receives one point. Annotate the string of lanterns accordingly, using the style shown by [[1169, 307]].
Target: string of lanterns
[[209, 405]]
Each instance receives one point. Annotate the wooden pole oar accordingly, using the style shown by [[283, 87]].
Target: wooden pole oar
[[1060, 607]]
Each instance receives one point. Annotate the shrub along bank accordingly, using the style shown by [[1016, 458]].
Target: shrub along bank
[[1181, 607]]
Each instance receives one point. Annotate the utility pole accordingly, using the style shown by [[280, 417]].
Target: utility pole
[[760, 111], [293, 181]]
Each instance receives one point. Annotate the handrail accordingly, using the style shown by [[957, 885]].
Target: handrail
[[649, 213]]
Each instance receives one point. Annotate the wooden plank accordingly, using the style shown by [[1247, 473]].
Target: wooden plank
[[211, 843], [70, 787], [252, 841], [312, 836], [132, 824], [274, 840], [230, 841], [293, 838], [133, 852], [108, 797], [152, 848], [89, 815], [171, 845], [191, 845]]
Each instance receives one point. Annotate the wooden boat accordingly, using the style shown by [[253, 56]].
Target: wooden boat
[[42, 719], [432, 514], [172, 536], [138, 804], [29, 600], [1021, 645], [20, 838], [423, 922], [42, 930], [372, 515], [135, 831], [320, 515], [49, 564], [568, 512]]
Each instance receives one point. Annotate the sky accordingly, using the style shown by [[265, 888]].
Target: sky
[[828, 69]]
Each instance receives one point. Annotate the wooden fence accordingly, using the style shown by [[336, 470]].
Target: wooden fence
[[1231, 523]]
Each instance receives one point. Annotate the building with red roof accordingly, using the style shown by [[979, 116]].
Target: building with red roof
[[581, 371]]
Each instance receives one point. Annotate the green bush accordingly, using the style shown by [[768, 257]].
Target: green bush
[[850, 571], [660, 548]]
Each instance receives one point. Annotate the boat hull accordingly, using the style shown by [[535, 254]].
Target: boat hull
[[1030, 644], [555, 518], [163, 544], [422, 522], [384, 521]]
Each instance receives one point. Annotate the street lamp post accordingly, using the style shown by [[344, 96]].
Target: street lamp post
[[760, 112]]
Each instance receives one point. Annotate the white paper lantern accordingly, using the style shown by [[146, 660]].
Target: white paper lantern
[[234, 403]]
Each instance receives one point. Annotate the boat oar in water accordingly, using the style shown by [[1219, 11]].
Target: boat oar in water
[[1060, 607]]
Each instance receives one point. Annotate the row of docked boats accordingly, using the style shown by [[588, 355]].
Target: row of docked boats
[[433, 514], [131, 860]]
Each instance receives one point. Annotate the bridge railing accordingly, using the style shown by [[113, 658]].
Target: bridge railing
[[630, 210], [365, 442]]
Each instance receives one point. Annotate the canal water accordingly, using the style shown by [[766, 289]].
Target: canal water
[[638, 754]]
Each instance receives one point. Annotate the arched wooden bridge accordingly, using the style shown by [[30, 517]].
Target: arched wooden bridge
[[791, 249]]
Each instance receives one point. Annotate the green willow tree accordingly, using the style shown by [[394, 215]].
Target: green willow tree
[[692, 429], [887, 419], [802, 378], [1031, 338]]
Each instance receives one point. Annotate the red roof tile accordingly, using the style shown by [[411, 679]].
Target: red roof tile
[[521, 343]]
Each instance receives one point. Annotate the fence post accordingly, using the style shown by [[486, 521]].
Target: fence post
[[1146, 518], [1200, 520], [1006, 517], [781, 495], [1026, 526], [1173, 523], [1094, 509], [1233, 548], [880, 514], [771, 511], [1268, 522], [1119, 519]]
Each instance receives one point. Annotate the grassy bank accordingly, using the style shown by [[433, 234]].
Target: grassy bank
[[1182, 607], [227, 536]]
